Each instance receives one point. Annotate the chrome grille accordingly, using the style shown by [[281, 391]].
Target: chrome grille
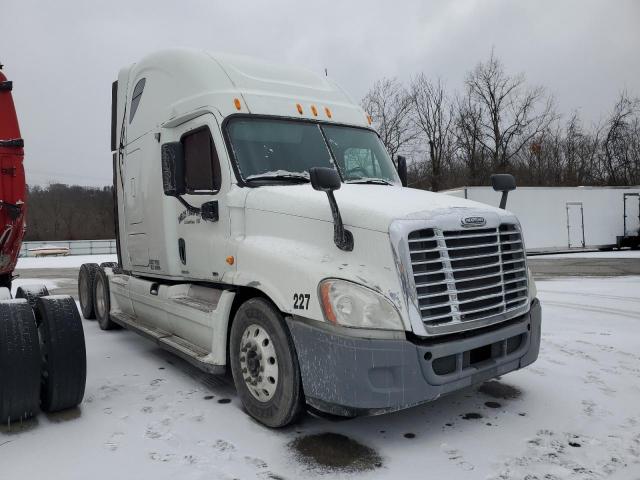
[[468, 275]]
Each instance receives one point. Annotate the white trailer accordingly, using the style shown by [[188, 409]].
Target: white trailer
[[262, 228], [560, 218]]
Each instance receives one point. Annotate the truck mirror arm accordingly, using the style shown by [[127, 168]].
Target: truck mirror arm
[[342, 237], [327, 180]]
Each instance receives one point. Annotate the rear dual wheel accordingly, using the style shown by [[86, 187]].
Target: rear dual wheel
[[86, 281], [102, 301]]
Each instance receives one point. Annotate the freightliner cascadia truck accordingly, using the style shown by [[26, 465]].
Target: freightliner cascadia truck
[[262, 228]]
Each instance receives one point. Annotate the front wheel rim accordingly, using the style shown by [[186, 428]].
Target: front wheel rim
[[258, 363]]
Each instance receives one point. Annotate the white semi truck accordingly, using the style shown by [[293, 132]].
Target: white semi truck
[[263, 228]]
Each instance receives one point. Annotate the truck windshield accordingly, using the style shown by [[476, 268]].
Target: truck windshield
[[283, 151]]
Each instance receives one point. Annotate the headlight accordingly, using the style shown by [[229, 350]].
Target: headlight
[[351, 305]]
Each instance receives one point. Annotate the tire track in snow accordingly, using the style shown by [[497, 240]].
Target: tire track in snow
[[579, 306]]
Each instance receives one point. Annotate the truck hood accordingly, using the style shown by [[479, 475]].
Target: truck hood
[[372, 207]]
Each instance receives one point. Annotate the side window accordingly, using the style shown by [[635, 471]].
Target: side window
[[135, 98], [201, 164]]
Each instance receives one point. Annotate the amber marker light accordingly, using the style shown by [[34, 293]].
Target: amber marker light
[[327, 111], [369, 119], [236, 102], [299, 107], [314, 110], [326, 302], [230, 260]]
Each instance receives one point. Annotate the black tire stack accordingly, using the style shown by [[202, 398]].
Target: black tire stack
[[42, 354]]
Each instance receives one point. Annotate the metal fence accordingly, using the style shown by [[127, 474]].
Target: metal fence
[[76, 247]]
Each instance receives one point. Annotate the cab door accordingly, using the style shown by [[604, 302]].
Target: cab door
[[202, 245]]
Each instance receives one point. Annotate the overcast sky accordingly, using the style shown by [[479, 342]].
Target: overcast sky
[[63, 55]]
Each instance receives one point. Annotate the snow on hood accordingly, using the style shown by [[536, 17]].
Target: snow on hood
[[372, 207]]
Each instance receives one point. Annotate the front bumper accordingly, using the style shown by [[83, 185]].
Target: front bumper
[[352, 376]]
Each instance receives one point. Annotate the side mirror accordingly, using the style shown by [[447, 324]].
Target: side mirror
[[324, 179], [402, 169], [173, 169], [504, 183], [327, 180]]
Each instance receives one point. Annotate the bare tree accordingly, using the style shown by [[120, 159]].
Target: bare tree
[[512, 113], [467, 131], [389, 105], [621, 132], [433, 117]]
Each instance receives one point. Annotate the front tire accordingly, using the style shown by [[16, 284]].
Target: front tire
[[264, 364]]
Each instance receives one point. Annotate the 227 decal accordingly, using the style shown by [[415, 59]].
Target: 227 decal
[[301, 301]]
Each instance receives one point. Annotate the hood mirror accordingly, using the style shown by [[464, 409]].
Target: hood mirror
[[402, 169], [327, 180], [503, 182]]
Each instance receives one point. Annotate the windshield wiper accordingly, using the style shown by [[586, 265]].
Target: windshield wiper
[[377, 181], [281, 176]]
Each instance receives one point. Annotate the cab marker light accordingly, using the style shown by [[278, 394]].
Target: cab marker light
[[327, 111], [231, 260], [299, 107], [236, 102], [314, 110], [369, 119]]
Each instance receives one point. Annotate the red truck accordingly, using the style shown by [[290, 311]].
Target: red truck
[[42, 349], [12, 184]]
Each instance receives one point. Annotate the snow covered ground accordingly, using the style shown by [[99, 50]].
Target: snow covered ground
[[573, 414]]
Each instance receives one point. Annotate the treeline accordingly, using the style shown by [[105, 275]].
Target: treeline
[[501, 124], [69, 212]]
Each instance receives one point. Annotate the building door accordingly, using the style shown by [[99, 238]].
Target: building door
[[575, 224], [631, 214]]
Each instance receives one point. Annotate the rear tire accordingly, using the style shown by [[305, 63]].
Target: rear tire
[[19, 362], [31, 293], [281, 402], [64, 359], [102, 301], [86, 279]]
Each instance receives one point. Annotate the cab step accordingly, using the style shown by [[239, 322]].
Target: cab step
[[193, 354]]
